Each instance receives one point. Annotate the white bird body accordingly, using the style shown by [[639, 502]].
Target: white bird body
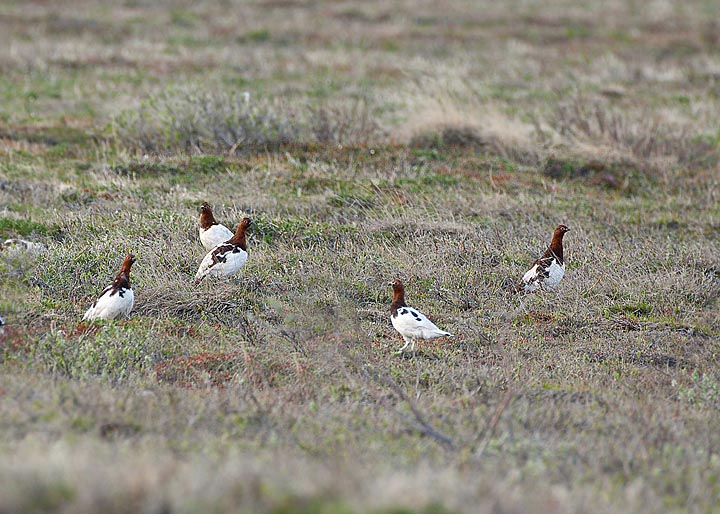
[[117, 299], [410, 322], [112, 304], [414, 324], [226, 258], [549, 269], [211, 232], [549, 277], [214, 235]]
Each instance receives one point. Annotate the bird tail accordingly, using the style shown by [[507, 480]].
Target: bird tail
[[448, 334]]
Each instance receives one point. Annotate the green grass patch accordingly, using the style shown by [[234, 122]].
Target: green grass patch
[[59, 136], [272, 231], [257, 36], [638, 309], [115, 352], [205, 164], [21, 227]]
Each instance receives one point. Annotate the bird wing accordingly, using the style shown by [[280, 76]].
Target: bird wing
[[215, 235], [112, 303], [91, 312], [555, 272], [224, 259], [546, 271], [234, 261], [205, 266], [412, 322], [533, 274]]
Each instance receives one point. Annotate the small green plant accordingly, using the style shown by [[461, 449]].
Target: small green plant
[[638, 309], [704, 390], [258, 36], [13, 226], [113, 351]]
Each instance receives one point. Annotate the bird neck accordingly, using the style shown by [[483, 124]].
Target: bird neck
[[239, 239], [556, 246], [207, 220], [397, 302], [125, 269], [122, 281]]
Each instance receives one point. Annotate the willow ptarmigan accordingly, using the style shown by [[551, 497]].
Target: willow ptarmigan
[[212, 233], [549, 269], [411, 323], [226, 258], [117, 299]]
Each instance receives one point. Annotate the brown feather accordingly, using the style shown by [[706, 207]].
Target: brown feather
[[207, 219], [555, 249], [398, 297], [122, 279], [239, 239]]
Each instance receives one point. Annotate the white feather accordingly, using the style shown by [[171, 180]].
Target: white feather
[[556, 273], [111, 306], [530, 278], [413, 324], [234, 259], [215, 235], [534, 278]]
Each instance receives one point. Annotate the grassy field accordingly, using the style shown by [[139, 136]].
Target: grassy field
[[436, 142]]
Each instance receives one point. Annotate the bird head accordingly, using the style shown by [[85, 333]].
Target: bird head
[[127, 262], [397, 285]]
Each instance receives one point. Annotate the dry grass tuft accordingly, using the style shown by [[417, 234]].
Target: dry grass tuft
[[194, 121], [444, 123], [346, 124], [597, 130], [201, 370], [622, 175]]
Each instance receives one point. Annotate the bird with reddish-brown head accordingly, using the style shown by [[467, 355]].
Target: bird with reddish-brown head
[[410, 322], [212, 233], [117, 299], [228, 257], [549, 269]]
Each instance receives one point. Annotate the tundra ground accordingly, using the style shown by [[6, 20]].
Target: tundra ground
[[436, 142]]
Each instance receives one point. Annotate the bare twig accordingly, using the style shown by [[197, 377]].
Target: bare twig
[[490, 429], [384, 379]]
